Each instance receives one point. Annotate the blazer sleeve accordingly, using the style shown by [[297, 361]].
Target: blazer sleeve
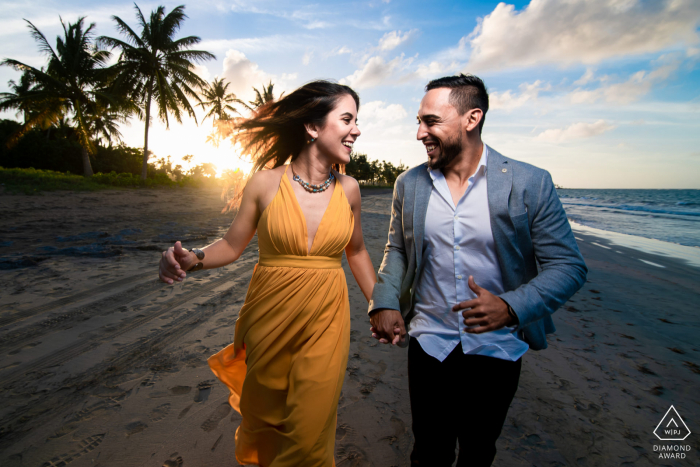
[[563, 270], [387, 290]]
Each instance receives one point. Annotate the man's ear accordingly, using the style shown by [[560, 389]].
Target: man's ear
[[311, 130], [472, 120]]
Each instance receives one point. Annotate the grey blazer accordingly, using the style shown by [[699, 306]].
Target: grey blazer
[[529, 227]]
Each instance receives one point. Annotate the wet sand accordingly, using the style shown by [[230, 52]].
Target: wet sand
[[102, 365]]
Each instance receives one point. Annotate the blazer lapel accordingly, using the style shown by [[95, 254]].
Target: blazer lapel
[[424, 186], [499, 183], [499, 180]]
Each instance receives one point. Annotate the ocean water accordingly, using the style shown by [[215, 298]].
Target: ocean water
[[666, 215]]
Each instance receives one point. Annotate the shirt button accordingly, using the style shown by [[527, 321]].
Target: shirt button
[[457, 217], [456, 247], [459, 277]]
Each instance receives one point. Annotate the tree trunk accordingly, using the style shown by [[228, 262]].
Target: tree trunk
[[144, 170], [87, 168]]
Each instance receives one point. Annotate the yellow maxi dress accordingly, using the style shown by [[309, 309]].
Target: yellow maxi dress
[[286, 366]]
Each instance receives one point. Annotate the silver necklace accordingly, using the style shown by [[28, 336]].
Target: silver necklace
[[310, 187]]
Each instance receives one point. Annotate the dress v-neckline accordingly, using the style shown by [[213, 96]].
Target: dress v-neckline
[[303, 216]]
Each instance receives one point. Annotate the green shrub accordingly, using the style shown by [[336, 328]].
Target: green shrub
[[30, 181]]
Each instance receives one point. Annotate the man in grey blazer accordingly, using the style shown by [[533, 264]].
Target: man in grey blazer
[[468, 230]]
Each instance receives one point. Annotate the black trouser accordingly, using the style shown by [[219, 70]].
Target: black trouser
[[464, 397]]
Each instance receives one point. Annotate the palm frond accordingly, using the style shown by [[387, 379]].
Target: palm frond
[[39, 37], [172, 21], [131, 36]]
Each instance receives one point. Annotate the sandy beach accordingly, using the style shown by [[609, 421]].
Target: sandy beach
[[103, 365]]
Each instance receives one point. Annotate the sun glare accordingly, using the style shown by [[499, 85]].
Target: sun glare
[[224, 158], [189, 139]]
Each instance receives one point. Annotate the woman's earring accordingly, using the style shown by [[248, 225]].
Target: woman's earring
[[311, 141]]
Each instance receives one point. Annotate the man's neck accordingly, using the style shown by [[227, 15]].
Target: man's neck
[[464, 165]]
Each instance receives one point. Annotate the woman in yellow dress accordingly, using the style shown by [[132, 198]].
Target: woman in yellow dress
[[286, 365]]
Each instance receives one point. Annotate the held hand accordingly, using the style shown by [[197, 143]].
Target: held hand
[[388, 326], [174, 262], [486, 311]]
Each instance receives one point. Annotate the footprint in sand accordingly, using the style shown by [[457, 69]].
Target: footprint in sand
[[173, 463], [180, 390], [203, 391], [184, 411], [216, 443], [160, 412], [86, 445], [351, 455], [342, 430], [219, 414], [150, 380], [135, 427]]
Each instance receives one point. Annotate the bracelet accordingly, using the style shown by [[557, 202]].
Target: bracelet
[[200, 256], [512, 314]]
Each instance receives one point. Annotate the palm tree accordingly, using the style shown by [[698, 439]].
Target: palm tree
[[73, 80], [104, 122], [155, 66], [262, 96], [219, 100], [15, 99]]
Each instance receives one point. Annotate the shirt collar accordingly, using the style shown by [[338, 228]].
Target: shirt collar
[[434, 174]]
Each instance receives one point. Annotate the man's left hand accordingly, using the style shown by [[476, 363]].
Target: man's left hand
[[485, 313]]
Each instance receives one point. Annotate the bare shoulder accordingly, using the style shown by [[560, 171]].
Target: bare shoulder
[[263, 179], [262, 186], [350, 187]]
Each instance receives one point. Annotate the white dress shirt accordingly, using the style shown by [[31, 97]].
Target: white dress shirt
[[458, 242]]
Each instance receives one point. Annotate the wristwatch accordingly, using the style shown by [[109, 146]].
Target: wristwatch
[[200, 256]]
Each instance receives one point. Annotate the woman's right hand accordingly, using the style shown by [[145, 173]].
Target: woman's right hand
[[174, 262]]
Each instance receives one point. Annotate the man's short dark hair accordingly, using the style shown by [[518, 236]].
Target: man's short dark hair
[[468, 92]]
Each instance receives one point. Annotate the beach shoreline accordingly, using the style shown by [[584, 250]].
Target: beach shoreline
[[103, 365]]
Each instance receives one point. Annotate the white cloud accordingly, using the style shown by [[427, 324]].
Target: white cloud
[[274, 43], [638, 85], [337, 51], [379, 111], [388, 134], [376, 71], [508, 100], [203, 72], [580, 31], [244, 74], [575, 131], [47, 19], [431, 70], [586, 78], [308, 16], [382, 25], [306, 59], [393, 39]]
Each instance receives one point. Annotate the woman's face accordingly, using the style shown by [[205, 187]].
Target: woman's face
[[339, 132]]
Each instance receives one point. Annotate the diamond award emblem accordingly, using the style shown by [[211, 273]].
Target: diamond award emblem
[[672, 427]]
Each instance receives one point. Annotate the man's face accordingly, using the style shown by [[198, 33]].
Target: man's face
[[440, 128]]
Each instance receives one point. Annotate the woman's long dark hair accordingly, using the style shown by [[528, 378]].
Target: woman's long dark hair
[[276, 132]]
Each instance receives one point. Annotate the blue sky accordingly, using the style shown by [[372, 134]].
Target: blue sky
[[602, 93]]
